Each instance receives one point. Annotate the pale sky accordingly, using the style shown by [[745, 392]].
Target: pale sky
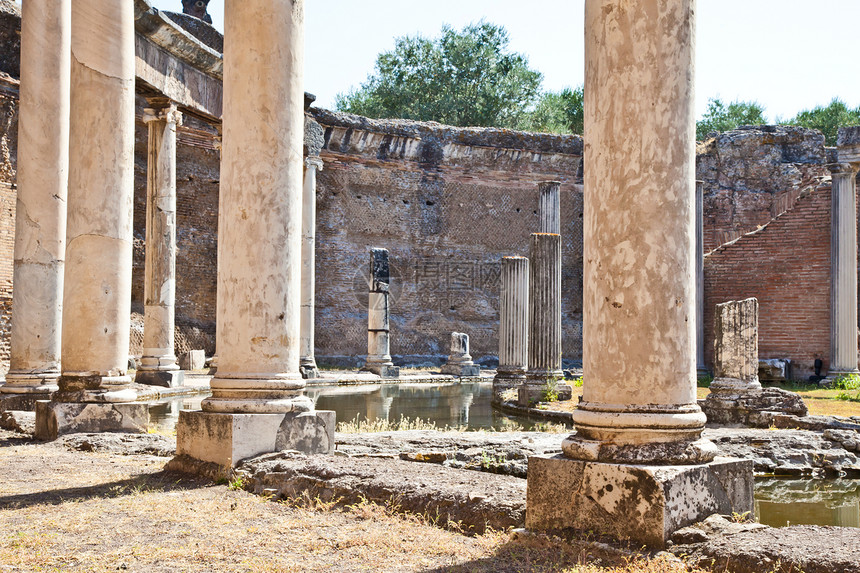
[[788, 55]]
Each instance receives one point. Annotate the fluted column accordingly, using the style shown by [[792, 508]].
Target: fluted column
[[97, 292], [701, 368], [260, 211], [308, 364], [158, 363], [379, 317], [736, 346], [639, 352], [544, 340], [843, 270], [513, 323], [549, 208], [40, 225]]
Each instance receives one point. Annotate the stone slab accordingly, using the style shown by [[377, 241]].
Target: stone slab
[[528, 394], [54, 419], [641, 503], [383, 371], [227, 439], [166, 378], [21, 401], [470, 370], [192, 360]]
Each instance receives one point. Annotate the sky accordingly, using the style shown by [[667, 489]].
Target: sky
[[787, 55]]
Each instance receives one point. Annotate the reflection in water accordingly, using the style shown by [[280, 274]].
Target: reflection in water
[[164, 415], [780, 502]]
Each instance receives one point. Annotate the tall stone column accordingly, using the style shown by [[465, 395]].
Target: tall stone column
[[40, 226], [158, 364], [379, 317], [639, 397], [544, 341], [97, 277], [513, 324], [843, 270], [701, 368], [308, 364], [549, 207], [257, 403]]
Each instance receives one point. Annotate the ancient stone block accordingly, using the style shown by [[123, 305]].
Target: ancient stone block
[[57, 418], [774, 370], [642, 503], [192, 360], [736, 342], [460, 361], [166, 378]]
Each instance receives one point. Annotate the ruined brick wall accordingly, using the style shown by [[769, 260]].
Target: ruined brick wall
[[448, 204], [753, 174], [786, 266]]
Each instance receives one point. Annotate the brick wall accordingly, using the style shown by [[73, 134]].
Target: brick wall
[[786, 266]]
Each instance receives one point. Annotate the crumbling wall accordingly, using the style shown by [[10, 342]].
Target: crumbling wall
[[786, 266]]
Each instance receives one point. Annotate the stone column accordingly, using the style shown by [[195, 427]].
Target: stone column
[[158, 364], [40, 226], [549, 208], [379, 317], [701, 368], [513, 324], [544, 341], [639, 397], [843, 270], [307, 363], [257, 403], [97, 277], [460, 361]]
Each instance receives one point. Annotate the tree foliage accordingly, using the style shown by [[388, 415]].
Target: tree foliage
[[828, 119], [465, 78], [558, 112], [722, 117]]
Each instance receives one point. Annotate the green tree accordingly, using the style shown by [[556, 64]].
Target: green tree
[[558, 112], [465, 78], [722, 117], [828, 119]]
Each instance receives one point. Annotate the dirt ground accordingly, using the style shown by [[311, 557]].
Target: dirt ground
[[69, 510]]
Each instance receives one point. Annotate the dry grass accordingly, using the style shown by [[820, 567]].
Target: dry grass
[[74, 511]]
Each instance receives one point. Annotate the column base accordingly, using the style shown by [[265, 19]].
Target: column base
[[95, 388], [470, 370], [166, 378], [382, 370], [226, 439], [54, 419], [682, 452], [308, 369], [834, 374], [642, 503], [30, 383]]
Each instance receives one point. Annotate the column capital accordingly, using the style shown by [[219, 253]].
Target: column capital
[[843, 168], [314, 161], [169, 114]]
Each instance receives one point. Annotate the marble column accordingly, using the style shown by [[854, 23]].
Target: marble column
[[307, 363], [257, 403], [40, 225], [513, 324], [843, 270], [460, 361], [544, 340], [379, 317], [701, 368], [549, 207], [637, 467], [158, 364]]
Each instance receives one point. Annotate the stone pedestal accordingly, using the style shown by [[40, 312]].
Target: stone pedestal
[[379, 317], [307, 362], [544, 341], [97, 278], [843, 270], [460, 361], [641, 503], [226, 439], [55, 419], [513, 324], [158, 365], [701, 368], [40, 225], [549, 207]]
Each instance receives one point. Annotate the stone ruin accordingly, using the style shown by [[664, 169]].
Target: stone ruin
[[460, 361]]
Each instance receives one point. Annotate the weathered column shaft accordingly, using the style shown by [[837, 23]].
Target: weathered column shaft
[[160, 272], [40, 226], [700, 280], [549, 208], [544, 340], [513, 318], [736, 345], [639, 354], [460, 361], [308, 363], [378, 316], [843, 269], [260, 211], [97, 293]]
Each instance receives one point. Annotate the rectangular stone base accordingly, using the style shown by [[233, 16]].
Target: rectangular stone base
[[645, 504], [226, 439], [166, 378], [383, 371], [26, 402], [470, 370], [54, 419], [528, 395]]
